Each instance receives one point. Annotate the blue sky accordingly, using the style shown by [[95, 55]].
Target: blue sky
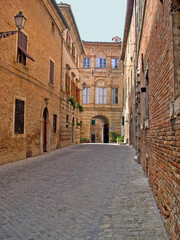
[[99, 20]]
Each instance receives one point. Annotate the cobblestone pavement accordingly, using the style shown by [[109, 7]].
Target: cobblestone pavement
[[83, 192]]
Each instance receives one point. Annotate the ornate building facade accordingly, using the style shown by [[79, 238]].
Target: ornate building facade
[[102, 97]]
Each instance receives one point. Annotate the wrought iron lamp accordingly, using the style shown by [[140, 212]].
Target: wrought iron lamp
[[20, 21], [83, 86]]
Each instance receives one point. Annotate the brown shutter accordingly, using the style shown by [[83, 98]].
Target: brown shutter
[[72, 88], [78, 95], [51, 79], [22, 40]]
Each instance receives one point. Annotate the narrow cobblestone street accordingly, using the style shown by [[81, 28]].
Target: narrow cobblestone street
[[83, 192]]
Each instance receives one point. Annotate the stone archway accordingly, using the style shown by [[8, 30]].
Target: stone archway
[[99, 129]]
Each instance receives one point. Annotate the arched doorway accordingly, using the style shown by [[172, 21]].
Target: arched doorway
[[73, 130], [99, 129], [45, 117]]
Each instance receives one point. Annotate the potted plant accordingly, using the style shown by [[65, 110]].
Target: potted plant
[[84, 140], [120, 140], [114, 136], [80, 107], [73, 102], [68, 90]]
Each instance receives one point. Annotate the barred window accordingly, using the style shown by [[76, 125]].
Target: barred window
[[19, 117], [54, 123]]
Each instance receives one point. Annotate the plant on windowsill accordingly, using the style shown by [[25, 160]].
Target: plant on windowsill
[[72, 100], [80, 107], [68, 90]]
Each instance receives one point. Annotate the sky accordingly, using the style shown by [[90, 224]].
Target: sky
[[98, 20]]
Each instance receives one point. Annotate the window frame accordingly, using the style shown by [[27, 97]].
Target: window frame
[[17, 116], [54, 123], [51, 72], [100, 63], [114, 96], [86, 95], [114, 63], [86, 62], [102, 95]]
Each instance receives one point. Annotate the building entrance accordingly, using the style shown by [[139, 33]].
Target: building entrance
[[45, 113], [99, 129]]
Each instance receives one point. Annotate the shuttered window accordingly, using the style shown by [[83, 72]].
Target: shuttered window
[[19, 117], [78, 94], [51, 76], [22, 45], [100, 95], [22, 49]]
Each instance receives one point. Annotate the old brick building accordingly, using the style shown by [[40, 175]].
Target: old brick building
[[70, 85], [156, 102], [102, 97], [30, 70]]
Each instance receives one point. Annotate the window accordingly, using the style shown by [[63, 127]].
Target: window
[[100, 63], [54, 123], [52, 27], [86, 63], [114, 63], [22, 49], [86, 95], [22, 45], [19, 117], [93, 122], [100, 95], [114, 95], [51, 76], [73, 51]]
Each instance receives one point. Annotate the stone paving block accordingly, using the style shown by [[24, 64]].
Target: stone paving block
[[83, 192]]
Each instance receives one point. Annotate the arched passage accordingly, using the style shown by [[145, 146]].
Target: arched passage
[[99, 129]]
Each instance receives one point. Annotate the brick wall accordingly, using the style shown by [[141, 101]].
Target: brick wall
[[160, 143], [31, 82]]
